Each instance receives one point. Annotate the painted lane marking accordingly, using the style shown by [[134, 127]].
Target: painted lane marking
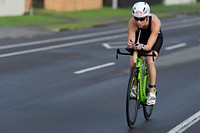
[[62, 39], [94, 68], [186, 124], [88, 35], [62, 45], [167, 26], [184, 21], [114, 45], [106, 45], [177, 26], [70, 37], [176, 46], [111, 45]]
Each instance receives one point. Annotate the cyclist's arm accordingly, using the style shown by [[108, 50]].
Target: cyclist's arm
[[155, 27], [131, 31]]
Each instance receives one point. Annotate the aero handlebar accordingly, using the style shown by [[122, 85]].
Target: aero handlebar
[[131, 51]]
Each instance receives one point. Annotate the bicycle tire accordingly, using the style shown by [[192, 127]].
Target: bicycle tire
[[147, 110], [132, 104]]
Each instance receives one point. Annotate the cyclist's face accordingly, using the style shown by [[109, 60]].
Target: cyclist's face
[[141, 22]]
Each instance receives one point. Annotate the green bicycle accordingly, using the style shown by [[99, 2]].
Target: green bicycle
[[138, 77]]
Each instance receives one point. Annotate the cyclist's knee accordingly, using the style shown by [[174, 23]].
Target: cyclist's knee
[[150, 60], [132, 64], [132, 67]]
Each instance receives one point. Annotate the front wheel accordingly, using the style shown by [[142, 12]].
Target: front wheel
[[132, 103]]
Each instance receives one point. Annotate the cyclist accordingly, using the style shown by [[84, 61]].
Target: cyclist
[[150, 40]]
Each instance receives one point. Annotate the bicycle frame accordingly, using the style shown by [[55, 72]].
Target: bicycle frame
[[142, 78], [142, 74], [139, 77]]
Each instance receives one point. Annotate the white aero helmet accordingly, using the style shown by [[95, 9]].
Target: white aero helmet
[[140, 10]]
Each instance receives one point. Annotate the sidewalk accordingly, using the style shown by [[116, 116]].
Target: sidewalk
[[17, 31], [29, 31], [33, 30]]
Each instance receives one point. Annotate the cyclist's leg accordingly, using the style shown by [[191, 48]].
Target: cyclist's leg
[[152, 71], [151, 64], [132, 64], [134, 87], [151, 97]]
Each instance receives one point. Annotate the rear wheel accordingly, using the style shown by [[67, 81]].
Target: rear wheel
[[147, 110], [132, 103]]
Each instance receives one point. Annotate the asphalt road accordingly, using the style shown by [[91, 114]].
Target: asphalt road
[[70, 82]]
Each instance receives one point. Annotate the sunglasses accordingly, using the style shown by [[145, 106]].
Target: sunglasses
[[141, 19]]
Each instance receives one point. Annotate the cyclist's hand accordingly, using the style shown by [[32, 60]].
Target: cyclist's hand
[[130, 44], [139, 46]]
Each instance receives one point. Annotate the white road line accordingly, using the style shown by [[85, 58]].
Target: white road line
[[177, 26], [114, 45], [167, 26], [89, 35], [74, 43], [186, 124], [94, 68], [63, 38], [63, 45], [176, 46], [184, 21], [111, 46], [106, 45]]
